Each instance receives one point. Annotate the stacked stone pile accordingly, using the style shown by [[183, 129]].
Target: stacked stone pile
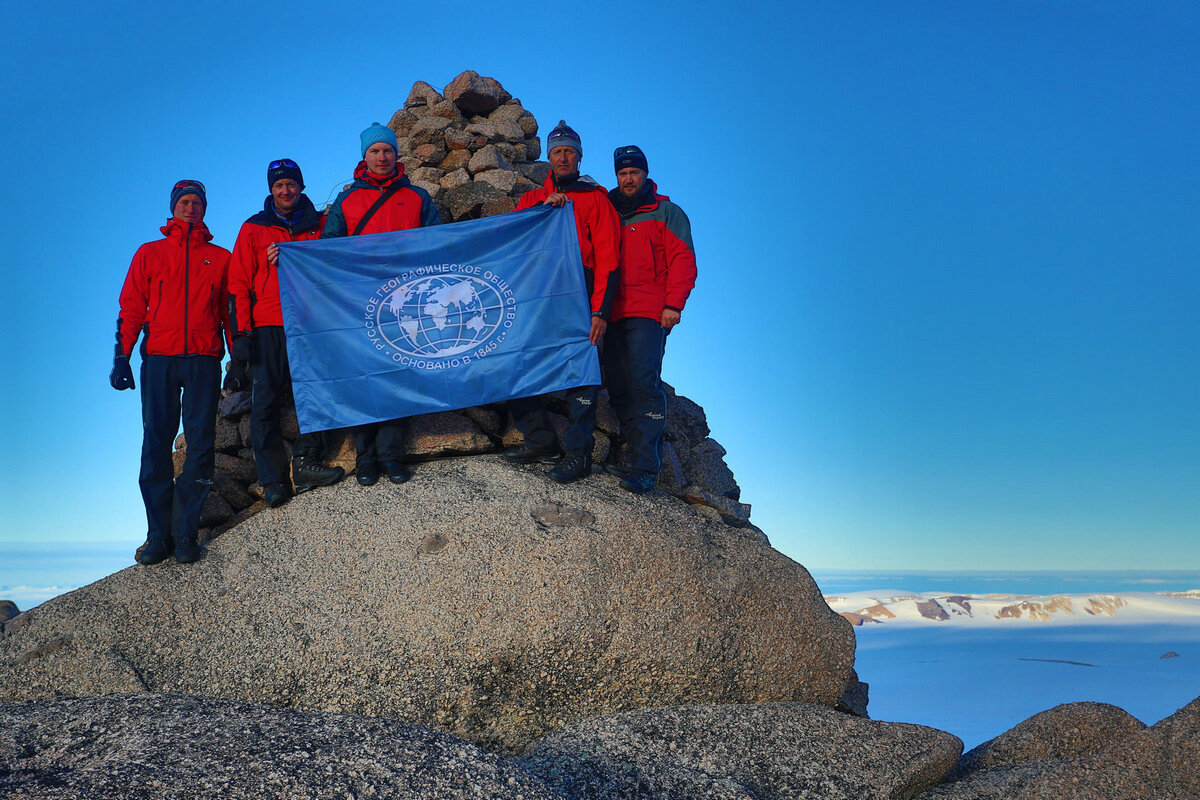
[[473, 147]]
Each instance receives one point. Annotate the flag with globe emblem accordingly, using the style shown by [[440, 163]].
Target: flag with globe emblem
[[390, 325]]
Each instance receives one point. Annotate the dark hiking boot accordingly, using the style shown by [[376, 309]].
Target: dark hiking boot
[[307, 473], [396, 471], [153, 551], [367, 473], [275, 495], [638, 482], [530, 455], [573, 467], [186, 550], [618, 468]]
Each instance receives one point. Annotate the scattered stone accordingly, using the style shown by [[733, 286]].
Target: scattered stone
[[475, 94], [197, 748], [443, 434], [8, 610], [763, 752], [422, 94]]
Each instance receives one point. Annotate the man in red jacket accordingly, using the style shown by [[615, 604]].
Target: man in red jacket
[[256, 320], [174, 295], [658, 271], [599, 234]]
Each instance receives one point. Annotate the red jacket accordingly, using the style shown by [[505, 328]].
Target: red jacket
[[599, 230], [253, 282], [410, 207], [175, 291], [658, 262]]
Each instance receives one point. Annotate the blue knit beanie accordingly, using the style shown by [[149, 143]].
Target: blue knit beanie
[[629, 156], [378, 133], [564, 136], [282, 168], [187, 187]]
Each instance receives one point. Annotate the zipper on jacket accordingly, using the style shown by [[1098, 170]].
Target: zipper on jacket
[[187, 285]]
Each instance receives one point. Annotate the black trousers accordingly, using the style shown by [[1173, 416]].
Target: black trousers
[[633, 356], [175, 387], [272, 384], [380, 442], [533, 421]]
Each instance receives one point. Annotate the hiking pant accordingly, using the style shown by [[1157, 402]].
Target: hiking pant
[[633, 356], [175, 386], [380, 442], [272, 379], [533, 421]]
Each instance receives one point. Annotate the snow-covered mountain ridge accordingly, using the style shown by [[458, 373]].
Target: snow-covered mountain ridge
[[909, 607]]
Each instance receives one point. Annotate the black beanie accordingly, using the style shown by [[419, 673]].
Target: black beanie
[[629, 156], [284, 168]]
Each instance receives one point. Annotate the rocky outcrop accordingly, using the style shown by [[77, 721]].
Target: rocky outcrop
[[768, 751], [694, 468], [8, 610], [1062, 733], [191, 748], [479, 598], [1080, 754]]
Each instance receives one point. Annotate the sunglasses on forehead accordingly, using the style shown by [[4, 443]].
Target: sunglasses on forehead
[[190, 184], [283, 162]]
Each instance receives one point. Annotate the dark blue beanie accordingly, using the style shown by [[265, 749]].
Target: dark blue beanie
[[187, 187], [629, 156]]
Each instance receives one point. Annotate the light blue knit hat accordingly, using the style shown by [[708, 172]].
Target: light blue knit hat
[[377, 133]]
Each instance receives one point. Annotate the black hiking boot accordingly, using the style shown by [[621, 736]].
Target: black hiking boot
[[573, 467], [153, 551], [307, 473], [530, 455], [396, 471], [186, 549], [638, 482], [367, 473], [275, 495], [618, 468]]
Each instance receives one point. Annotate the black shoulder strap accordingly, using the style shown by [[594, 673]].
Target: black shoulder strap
[[378, 204]]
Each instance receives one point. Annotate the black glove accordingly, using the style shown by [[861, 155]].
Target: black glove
[[242, 349], [121, 376], [236, 379]]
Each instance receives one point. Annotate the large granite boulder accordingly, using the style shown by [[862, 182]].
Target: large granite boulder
[[479, 598], [760, 752], [192, 748], [1158, 762]]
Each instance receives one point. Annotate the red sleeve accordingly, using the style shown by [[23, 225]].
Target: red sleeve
[[604, 229], [224, 310], [242, 266], [135, 300], [681, 257], [530, 199]]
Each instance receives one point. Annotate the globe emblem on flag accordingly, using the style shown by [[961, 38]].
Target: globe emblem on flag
[[440, 316]]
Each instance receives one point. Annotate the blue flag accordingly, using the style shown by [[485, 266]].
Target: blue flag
[[388, 325]]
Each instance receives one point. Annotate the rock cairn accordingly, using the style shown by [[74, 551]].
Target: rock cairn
[[475, 149]]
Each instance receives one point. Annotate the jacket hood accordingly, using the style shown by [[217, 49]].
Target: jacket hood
[[365, 179], [177, 229]]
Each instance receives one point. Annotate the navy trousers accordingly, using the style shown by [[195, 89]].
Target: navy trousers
[[175, 387], [633, 356], [272, 384], [380, 442], [533, 421]]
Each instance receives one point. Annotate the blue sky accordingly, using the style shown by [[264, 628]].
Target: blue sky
[[946, 315]]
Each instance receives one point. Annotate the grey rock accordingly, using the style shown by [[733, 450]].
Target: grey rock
[[466, 202], [216, 509], [733, 512], [429, 155], [670, 475], [747, 752], [225, 435], [8, 610], [687, 425], [475, 94], [704, 464], [459, 139], [488, 158], [537, 172], [502, 179], [422, 94], [498, 205], [449, 111], [234, 492], [1062, 733], [426, 175], [513, 628], [237, 468], [533, 149], [455, 179], [1157, 762], [488, 420], [402, 122], [428, 131], [856, 697], [194, 748], [445, 433], [455, 160]]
